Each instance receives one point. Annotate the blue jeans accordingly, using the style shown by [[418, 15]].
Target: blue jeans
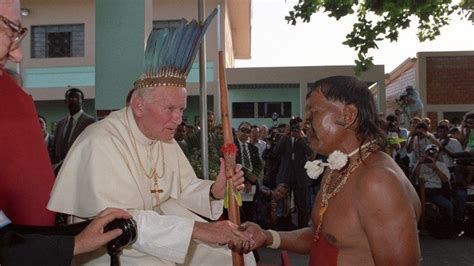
[[459, 200], [446, 208]]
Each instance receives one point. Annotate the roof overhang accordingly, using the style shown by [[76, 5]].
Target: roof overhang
[[240, 13], [399, 70]]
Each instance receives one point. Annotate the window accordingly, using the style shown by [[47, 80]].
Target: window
[[161, 24], [243, 110], [266, 109], [52, 41], [261, 109]]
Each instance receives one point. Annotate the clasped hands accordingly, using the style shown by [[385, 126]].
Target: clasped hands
[[241, 239]]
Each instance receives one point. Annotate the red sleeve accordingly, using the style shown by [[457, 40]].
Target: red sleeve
[[26, 175]]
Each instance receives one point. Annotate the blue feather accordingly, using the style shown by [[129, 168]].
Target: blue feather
[[175, 48]]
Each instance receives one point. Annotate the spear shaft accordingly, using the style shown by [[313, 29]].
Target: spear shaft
[[229, 151]]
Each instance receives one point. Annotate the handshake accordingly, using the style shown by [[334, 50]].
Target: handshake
[[242, 239]]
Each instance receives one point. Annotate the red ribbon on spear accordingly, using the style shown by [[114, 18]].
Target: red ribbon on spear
[[232, 199]]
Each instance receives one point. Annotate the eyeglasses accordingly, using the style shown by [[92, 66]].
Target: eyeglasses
[[19, 32], [245, 130]]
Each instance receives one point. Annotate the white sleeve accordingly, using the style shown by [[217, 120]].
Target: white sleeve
[[163, 236], [442, 166], [456, 146]]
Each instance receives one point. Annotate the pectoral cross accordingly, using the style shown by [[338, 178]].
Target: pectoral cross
[[156, 190]]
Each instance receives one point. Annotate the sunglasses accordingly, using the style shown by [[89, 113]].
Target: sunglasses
[[245, 130], [19, 32]]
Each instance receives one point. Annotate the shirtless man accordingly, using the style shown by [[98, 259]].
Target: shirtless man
[[371, 210]]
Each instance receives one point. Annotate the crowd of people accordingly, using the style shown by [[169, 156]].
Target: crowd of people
[[439, 161], [140, 160], [436, 158], [273, 161]]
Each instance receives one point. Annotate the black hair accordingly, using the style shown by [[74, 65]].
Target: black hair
[[350, 90], [244, 123], [391, 118], [295, 120], [454, 130], [72, 90], [469, 115], [254, 126]]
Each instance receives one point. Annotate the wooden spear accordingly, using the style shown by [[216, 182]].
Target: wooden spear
[[229, 150]]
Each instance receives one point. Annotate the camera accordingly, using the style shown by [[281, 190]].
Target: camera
[[295, 124], [274, 135], [295, 128], [464, 158], [428, 160]]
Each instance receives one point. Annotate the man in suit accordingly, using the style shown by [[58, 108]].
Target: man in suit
[[69, 128], [294, 152], [248, 157]]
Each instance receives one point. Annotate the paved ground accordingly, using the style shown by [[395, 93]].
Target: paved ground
[[447, 252]]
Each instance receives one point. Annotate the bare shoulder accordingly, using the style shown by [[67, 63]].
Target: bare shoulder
[[381, 183]]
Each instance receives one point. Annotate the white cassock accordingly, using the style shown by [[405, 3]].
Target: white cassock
[[105, 167]]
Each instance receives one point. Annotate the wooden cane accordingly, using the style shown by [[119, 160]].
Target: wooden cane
[[229, 151]]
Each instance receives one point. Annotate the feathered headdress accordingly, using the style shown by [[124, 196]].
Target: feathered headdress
[[170, 53]]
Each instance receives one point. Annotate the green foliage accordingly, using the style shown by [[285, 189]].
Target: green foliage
[[196, 162], [195, 158], [383, 19]]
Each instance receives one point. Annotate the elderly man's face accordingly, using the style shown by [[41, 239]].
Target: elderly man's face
[[320, 116], [159, 115], [9, 10]]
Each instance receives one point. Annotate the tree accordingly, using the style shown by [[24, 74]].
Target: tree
[[383, 19]]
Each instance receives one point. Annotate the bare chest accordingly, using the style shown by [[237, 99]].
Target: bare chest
[[340, 224]]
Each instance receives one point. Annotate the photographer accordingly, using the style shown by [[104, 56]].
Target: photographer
[[402, 112], [434, 175], [415, 106], [448, 147], [294, 152], [467, 132], [272, 160], [397, 143], [419, 139]]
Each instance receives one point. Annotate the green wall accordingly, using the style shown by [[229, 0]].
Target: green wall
[[192, 109], [120, 32], [49, 77], [265, 95]]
